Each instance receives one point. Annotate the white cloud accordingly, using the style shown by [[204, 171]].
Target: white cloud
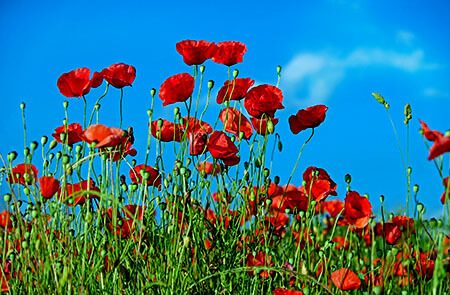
[[319, 73]]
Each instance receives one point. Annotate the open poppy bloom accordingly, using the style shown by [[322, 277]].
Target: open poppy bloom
[[235, 122], [344, 279], [145, 174], [118, 75], [234, 89], [167, 131], [72, 133], [283, 291], [103, 136], [289, 197], [75, 83], [195, 52], [263, 100], [429, 134], [77, 193], [307, 118], [48, 186], [440, 146], [229, 53], [24, 174], [177, 88], [318, 184], [357, 210], [208, 168], [5, 220], [221, 147]]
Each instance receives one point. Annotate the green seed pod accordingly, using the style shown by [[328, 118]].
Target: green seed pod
[[53, 144], [279, 68], [33, 146], [176, 111], [420, 208], [133, 162], [416, 188], [34, 213], [24, 245], [159, 123], [26, 190], [65, 104], [124, 187], [387, 106], [270, 127], [266, 172], [348, 178], [152, 92], [202, 69], [381, 198], [65, 159], [58, 155], [276, 179], [26, 151]]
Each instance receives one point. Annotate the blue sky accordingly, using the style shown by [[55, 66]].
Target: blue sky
[[334, 52]]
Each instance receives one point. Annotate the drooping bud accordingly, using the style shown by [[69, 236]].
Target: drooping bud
[[210, 84], [153, 92], [416, 188], [53, 144], [22, 106], [348, 178], [12, 156], [44, 140]]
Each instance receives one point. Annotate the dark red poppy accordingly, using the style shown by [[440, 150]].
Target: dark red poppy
[[229, 53], [235, 122], [307, 118], [118, 75], [73, 133], [429, 134], [97, 79], [283, 291], [142, 173], [261, 125], [167, 131], [75, 83], [221, 147], [194, 125], [5, 220], [197, 142], [345, 279], [195, 52], [121, 151], [77, 193], [318, 184], [290, 198], [177, 88], [440, 146], [446, 194], [48, 186], [263, 100], [425, 264], [103, 136], [276, 223], [357, 210], [134, 211], [23, 174], [234, 89], [208, 168]]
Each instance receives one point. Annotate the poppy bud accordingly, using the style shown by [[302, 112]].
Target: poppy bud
[[276, 179], [210, 84], [26, 190], [382, 198], [65, 159], [58, 155], [279, 69], [26, 151], [202, 69], [280, 146], [12, 156], [409, 170], [266, 172], [65, 104], [62, 137], [270, 127], [33, 146], [235, 73], [53, 144], [348, 178], [153, 92], [387, 106], [7, 198], [408, 113], [416, 188], [133, 162], [420, 208], [44, 140]]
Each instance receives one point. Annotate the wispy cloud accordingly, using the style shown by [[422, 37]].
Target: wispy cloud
[[316, 75]]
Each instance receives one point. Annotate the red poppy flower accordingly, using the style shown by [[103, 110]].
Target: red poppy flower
[[75, 83], [208, 168], [23, 174], [78, 192], [345, 279], [283, 291], [120, 152], [49, 186], [307, 118], [134, 211], [197, 142], [138, 175], [229, 53], [318, 183], [425, 264], [221, 147], [194, 125], [177, 88], [333, 207], [5, 220], [234, 89], [119, 75], [277, 222], [235, 122], [440, 146], [103, 136], [290, 198], [261, 259], [97, 79], [260, 125], [429, 134], [263, 100], [168, 131], [357, 210], [446, 194], [73, 133], [195, 52]]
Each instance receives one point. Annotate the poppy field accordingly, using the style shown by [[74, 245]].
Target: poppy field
[[201, 210]]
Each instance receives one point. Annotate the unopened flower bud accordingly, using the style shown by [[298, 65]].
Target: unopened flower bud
[[152, 92], [12, 156], [276, 179], [416, 188], [270, 127], [348, 178], [266, 172], [279, 70], [53, 144], [7, 198], [210, 84], [387, 106], [408, 113], [65, 104], [202, 69], [133, 162], [409, 170], [420, 208], [381, 198], [280, 146], [26, 151], [44, 140], [176, 111], [235, 73]]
